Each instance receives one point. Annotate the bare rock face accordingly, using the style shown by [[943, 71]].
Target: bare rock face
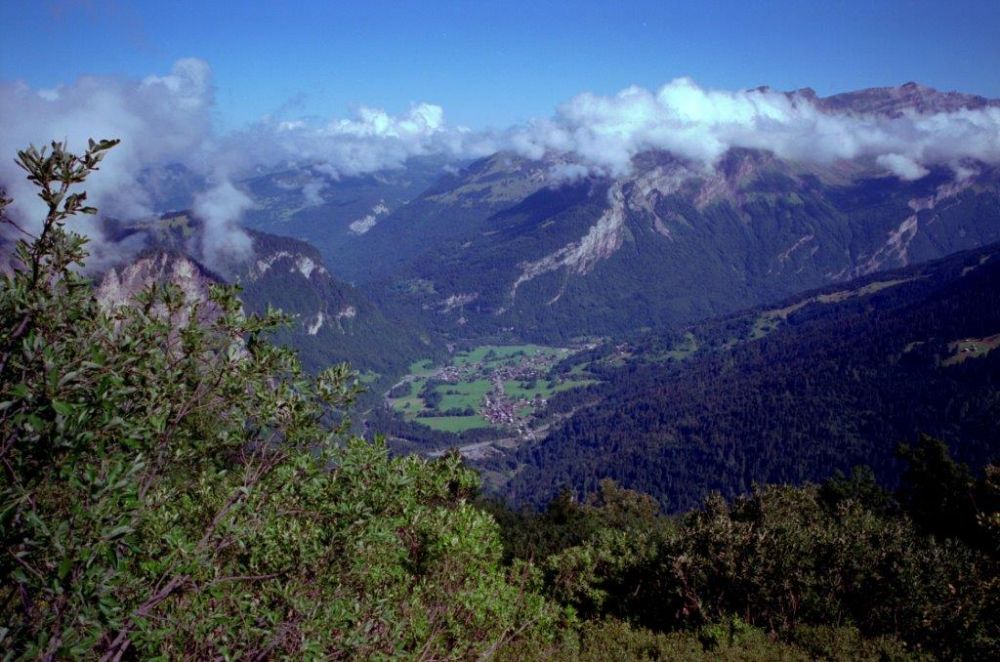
[[894, 101], [275, 265], [305, 265], [121, 284], [602, 239], [895, 251], [331, 321], [369, 220]]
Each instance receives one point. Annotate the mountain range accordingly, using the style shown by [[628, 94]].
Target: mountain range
[[390, 267], [508, 246], [663, 246]]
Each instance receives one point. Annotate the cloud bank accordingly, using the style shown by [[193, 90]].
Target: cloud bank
[[221, 207], [160, 120], [700, 125], [167, 119], [372, 141]]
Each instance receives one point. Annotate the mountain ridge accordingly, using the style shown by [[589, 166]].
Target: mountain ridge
[[790, 392], [762, 228]]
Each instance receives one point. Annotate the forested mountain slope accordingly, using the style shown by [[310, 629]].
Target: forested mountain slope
[[787, 393], [669, 244], [333, 211]]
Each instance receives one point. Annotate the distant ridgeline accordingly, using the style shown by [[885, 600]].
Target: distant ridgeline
[[545, 250], [505, 245], [785, 393]]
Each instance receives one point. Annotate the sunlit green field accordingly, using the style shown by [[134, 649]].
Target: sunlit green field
[[477, 369], [498, 354], [463, 394]]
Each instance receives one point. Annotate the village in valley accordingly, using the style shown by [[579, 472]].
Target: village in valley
[[503, 387]]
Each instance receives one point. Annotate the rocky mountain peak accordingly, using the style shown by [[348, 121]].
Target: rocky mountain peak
[[910, 96]]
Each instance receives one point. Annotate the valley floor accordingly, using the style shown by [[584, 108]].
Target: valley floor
[[501, 387]]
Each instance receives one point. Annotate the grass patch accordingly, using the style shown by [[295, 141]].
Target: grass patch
[[412, 403], [497, 354], [683, 349], [971, 348], [515, 390], [542, 388], [570, 384], [368, 377], [770, 320], [408, 405], [463, 394]]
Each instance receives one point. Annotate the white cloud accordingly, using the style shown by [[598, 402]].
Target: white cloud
[[372, 140], [159, 120], [167, 118], [220, 208], [568, 172], [902, 166], [422, 121], [312, 192], [701, 125], [188, 83]]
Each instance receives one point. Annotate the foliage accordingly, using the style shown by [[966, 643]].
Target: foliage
[[612, 639], [175, 485], [824, 570], [943, 497]]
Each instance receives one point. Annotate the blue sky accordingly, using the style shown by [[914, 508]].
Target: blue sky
[[495, 64]]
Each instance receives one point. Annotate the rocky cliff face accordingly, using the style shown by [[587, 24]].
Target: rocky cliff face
[[330, 320], [122, 283]]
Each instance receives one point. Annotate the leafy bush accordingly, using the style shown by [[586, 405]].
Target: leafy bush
[[174, 485], [826, 569]]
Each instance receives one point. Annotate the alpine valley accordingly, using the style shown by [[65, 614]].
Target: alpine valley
[[408, 266], [527, 360]]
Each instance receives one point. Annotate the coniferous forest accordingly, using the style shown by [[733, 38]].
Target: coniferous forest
[[844, 375]]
